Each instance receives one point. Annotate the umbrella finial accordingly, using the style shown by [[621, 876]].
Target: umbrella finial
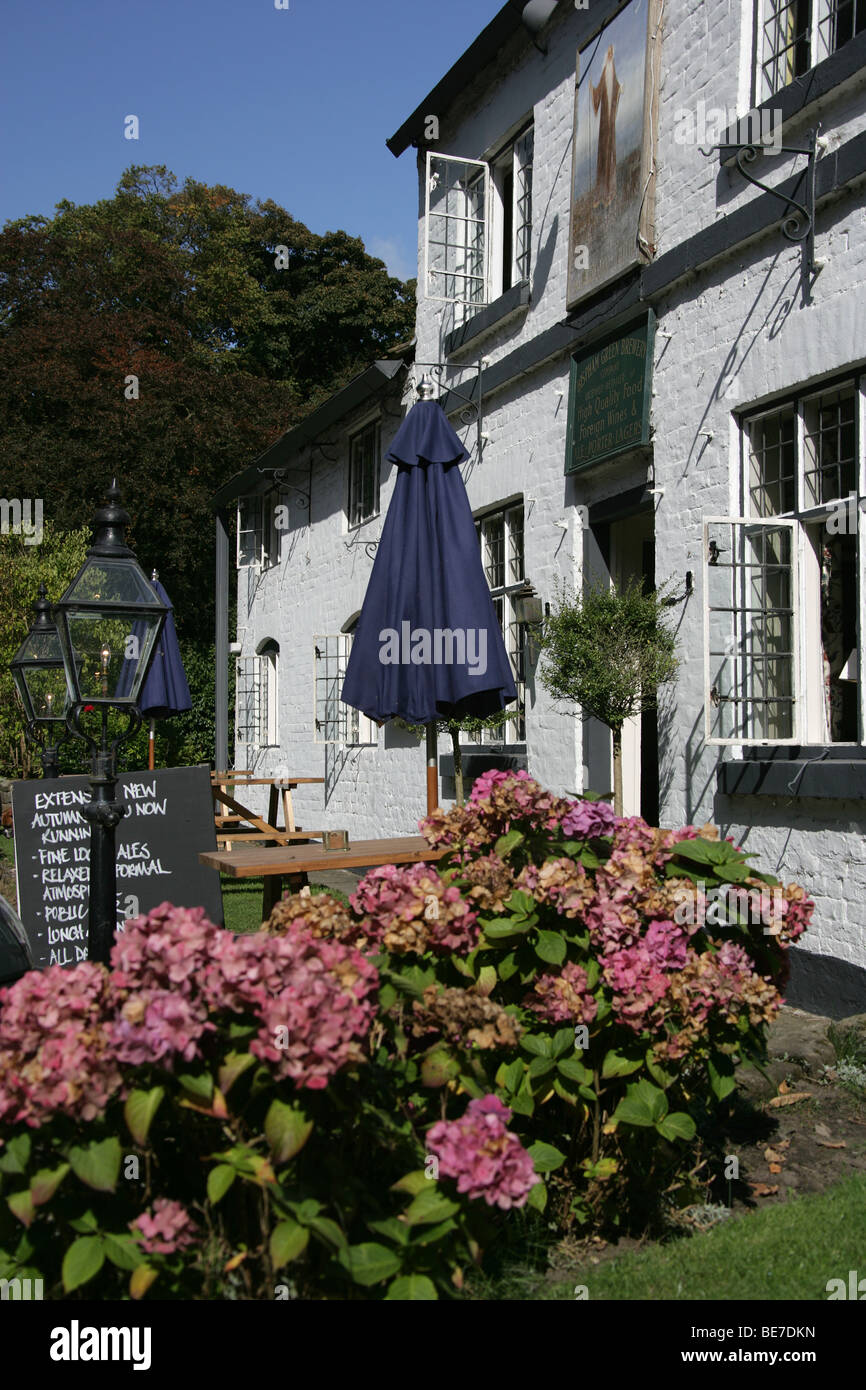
[[426, 388], [154, 576]]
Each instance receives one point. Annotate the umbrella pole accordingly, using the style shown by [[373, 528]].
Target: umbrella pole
[[432, 769], [151, 762]]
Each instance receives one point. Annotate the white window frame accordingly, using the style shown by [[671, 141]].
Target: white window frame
[[372, 425], [808, 518], [263, 552], [821, 16], [509, 161], [514, 731], [436, 164], [740, 738], [256, 678], [351, 728]]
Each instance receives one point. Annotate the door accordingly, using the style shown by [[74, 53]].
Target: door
[[632, 556]]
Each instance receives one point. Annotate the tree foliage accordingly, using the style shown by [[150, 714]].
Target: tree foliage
[[607, 651], [179, 288]]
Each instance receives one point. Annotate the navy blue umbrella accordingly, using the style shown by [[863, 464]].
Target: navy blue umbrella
[[165, 691], [428, 644]]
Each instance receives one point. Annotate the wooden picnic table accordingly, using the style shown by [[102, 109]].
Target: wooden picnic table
[[228, 827], [296, 861]]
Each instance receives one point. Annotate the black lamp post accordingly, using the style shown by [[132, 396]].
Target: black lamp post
[[40, 678], [108, 623]]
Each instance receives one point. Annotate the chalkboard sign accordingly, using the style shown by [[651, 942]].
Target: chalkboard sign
[[170, 823]]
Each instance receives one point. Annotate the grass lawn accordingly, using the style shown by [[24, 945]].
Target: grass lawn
[[784, 1252], [242, 902]]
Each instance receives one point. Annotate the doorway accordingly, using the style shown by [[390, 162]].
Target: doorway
[[632, 556]]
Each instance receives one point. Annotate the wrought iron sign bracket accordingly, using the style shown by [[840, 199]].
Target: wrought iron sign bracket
[[278, 476], [798, 224], [471, 412], [370, 547]]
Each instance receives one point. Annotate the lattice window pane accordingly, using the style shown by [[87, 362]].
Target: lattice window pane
[[364, 475], [493, 532], [523, 157], [331, 656], [786, 40], [456, 229], [841, 20], [773, 462], [830, 447], [751, 631], [249, 533], [248, 703]]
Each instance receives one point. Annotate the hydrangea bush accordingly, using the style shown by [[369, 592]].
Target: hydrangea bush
[[353, 1102]]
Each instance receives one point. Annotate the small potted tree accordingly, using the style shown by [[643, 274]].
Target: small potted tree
[[607, 651]]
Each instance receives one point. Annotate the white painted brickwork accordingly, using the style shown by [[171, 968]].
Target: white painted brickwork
[[738, 333]]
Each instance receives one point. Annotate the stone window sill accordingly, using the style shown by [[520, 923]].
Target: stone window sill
[[490, 317], [833, 773]]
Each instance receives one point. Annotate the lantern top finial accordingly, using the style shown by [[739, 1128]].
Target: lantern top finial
[[110, 522]]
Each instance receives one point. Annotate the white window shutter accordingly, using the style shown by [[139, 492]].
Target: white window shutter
[[751, 631], [456, 229]]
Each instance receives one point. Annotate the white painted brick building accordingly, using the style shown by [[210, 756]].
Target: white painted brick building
[[755, 410]]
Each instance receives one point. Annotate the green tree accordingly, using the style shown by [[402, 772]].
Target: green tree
[[22, 569], [606, 652], [178, 288]]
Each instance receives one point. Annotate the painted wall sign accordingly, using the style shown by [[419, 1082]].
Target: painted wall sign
[[610, 397]]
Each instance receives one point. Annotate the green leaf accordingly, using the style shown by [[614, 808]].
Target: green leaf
[[391, 1228], [235, 1064], [550, 947], [219, 1180], [563, 1041], [538, 1196], [413, 1183], [486, 979], [98, 1165], [412, 1288], [288, 1241], [82, 1262], [200, 1087], [642, 1104], [139, 1110], [505, 927], [616, 1065], [428, 1235], [721, 1073], [328, 1232], [574, 1070], [16, 1155], [513, 1075], [369, 1263], [439, 1067], [21, 1205], [507, 966], [46, 1182], [430, 1206], [538, 1044], [506, 843], [287, 1130], [677, 1125], [123, 1251], [83, 1225], [540, 1067], [387, 997], [545, 1157]]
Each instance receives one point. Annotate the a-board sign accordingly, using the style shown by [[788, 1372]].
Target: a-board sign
[[170, 823]]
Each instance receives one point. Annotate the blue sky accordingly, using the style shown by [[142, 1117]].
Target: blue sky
[[293, 105]]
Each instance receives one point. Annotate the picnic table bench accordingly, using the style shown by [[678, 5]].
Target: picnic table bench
[[245, 825], [295, 862]]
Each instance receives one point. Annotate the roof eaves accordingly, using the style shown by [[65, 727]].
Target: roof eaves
[[278, 454]]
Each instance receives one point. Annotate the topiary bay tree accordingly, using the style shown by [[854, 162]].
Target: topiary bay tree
[[607, 651]]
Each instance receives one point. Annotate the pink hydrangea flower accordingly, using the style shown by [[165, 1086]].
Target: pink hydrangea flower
[[487, 1160], [169, 1228], [638, 986], [56, 1052], [564, 998], [586, 820], [412, 908], [667, 945]]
